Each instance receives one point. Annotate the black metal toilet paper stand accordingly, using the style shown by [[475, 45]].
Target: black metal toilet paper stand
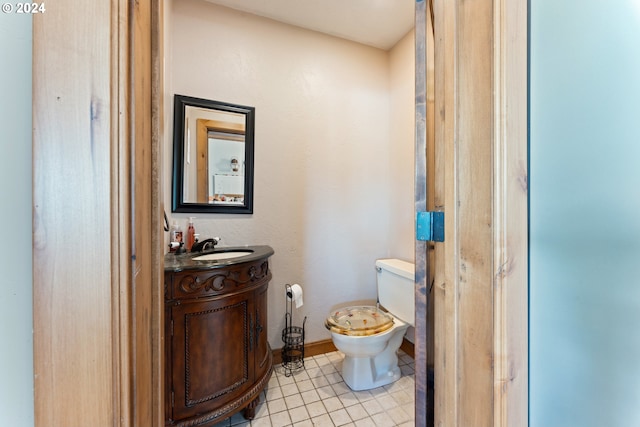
[[293, 338]]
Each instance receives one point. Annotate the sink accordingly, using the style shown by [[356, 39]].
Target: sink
[[216, 258], [223, 255]]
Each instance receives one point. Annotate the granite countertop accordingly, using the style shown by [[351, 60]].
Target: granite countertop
[[176, 263]]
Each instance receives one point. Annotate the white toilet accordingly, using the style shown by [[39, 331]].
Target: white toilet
[[370, 337]]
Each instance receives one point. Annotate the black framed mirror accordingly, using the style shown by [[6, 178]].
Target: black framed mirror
[[213, 145]]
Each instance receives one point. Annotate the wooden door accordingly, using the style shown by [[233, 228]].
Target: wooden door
[[480, 183], [97, 215], [75, 275]]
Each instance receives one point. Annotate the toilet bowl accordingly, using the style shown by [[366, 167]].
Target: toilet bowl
[[370, 336]]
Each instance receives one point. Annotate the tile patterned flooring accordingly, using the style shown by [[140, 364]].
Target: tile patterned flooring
[[317, 396]]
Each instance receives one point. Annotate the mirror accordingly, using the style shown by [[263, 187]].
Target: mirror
[[212, 156]]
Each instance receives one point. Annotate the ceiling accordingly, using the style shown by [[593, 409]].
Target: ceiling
[[378, 23]]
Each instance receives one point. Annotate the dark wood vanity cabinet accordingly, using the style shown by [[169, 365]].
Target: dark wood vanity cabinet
[[218, 359]]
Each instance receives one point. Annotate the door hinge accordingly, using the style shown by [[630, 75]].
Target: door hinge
[[430, 226]]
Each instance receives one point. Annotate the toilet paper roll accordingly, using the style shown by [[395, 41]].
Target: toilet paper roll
[[295, 293]]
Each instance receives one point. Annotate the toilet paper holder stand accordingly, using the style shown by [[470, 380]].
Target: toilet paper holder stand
[[293, 338]]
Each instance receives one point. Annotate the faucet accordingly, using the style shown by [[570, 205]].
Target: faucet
[[210, 242], [205, 244]]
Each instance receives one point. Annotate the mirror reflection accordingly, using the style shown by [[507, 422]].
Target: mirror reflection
[[213, 156]]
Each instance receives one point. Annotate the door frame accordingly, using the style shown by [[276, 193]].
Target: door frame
[[133, 369], [97, 208]]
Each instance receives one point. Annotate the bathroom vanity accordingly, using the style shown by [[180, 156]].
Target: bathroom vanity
[[217, 357]]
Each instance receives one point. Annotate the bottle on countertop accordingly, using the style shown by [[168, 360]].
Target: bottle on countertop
[[175, 236], [191, 234]]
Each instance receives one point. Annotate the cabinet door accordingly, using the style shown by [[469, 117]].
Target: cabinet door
[[212, 359], [263, 350]]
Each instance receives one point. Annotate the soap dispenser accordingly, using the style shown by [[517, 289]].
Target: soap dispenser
[[191, 234]]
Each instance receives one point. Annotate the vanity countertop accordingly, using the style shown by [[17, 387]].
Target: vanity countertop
[[186, 261]]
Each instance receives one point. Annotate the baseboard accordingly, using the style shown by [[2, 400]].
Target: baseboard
[[310, 349], [408, 347], [326, 346]]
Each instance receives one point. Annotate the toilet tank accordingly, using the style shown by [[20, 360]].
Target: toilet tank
[[396, 279]]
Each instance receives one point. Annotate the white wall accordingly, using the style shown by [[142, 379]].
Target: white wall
[[16, 324], [585, 232], [329, 174]]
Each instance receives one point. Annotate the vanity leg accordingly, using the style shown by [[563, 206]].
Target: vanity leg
[[250, 411]]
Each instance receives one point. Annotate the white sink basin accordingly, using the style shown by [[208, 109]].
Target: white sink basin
[[222, 255]]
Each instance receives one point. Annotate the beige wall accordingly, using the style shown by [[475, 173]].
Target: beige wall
[[401, 146], [333, 149]]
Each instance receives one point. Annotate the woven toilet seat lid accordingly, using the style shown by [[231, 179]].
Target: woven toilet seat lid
[[359, 321]]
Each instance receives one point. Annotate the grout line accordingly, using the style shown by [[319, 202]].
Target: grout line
[[317, 395]]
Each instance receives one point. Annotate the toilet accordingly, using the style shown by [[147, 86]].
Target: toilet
[[370, 336]]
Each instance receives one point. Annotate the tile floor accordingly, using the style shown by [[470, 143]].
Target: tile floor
[[317, 396]]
